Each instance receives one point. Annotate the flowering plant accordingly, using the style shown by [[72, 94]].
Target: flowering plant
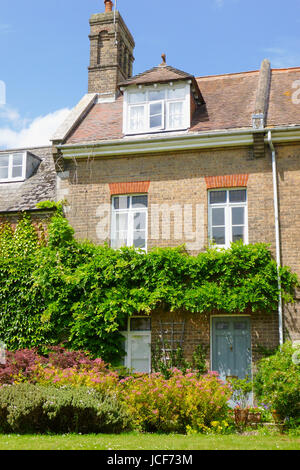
[[158, 404]]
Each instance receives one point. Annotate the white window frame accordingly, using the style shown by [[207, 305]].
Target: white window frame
[[128, 334], [165, 114], [228, 215], [131, 211], [10, 178]]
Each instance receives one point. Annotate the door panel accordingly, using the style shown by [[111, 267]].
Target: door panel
[[140, 352], [231, 346]]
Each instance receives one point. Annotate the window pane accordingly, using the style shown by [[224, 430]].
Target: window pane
[[3, 173], [140, 221], [222, 325], [218, 235], [175, 115], [137, 118], [121, 221], [155, 108], [155, 115], [119, 240], [121, 202], [155, 121], [237, 233], [156, 95], [176, 93], [17, 172], [218, 216], [140, 324], [4, 159], [134, 98], [217, 197], [240, 325], [238, 215], [139, 202], [238, 195], [139, 239], [17, 159]]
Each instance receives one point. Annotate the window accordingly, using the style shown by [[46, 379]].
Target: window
[[156, 109], [227, 216], [12, 166], [137, 344], [129, 221]]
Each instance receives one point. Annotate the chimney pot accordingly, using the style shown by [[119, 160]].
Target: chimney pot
[[108, 5]]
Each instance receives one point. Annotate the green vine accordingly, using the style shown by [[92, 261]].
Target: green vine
[[54, 288]]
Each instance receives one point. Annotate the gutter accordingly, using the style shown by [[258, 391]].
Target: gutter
[[277, 235], [185, 141]]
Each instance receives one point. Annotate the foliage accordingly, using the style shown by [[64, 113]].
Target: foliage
[[102, 380], [58, 289], [24, 365], [176, 360], [277, 382], [27, 408], [175, 405], [241, 389]]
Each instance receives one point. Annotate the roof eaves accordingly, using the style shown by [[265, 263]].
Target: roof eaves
[[74, 117]]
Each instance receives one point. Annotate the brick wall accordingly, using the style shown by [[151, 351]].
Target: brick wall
[[111, 53], [264, 331], [182, 179]]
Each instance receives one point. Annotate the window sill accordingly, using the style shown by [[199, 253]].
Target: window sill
[[16, 180], [161, 131]]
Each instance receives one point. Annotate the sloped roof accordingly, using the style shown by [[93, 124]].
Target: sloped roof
[[159, 74], [41, 186], [229, 104]]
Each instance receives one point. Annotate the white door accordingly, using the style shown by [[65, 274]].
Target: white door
[[138, 344], [140, 352]]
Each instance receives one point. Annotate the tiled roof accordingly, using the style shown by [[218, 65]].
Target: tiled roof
[[284, 103], [162, 73], [229, 104], [40, 186]]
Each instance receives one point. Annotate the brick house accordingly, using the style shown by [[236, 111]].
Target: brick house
[[165, 158]]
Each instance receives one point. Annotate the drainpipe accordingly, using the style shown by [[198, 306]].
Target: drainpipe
[[277, 235]]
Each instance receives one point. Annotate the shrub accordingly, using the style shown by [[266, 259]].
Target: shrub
[[91, 377], [277, 382], [19, 364], [27, 408], [25, 364], [178, 404]]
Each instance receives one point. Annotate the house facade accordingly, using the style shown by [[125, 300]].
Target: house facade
[[163, 159]]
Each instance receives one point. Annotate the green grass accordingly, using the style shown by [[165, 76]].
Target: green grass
[[136, 441]]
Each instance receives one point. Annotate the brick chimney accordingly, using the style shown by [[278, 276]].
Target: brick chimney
[[111, 53]]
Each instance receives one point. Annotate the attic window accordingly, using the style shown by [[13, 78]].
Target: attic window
[[17, 166], [157, 108], [12, 166]]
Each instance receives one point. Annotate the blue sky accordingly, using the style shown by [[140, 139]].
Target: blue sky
[[44, 49]]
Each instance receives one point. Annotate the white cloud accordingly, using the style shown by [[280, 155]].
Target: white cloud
[[34, 133], [219, 3]]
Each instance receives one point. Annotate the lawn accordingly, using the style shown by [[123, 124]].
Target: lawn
[[136, 441]]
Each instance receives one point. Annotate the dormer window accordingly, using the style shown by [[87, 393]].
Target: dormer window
[[157, 108], [17, 166], [12, 167]]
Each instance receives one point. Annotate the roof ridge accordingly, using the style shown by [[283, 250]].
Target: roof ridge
[[227, 74]]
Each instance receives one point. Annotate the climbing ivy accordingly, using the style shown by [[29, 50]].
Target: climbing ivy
[[55, 288]]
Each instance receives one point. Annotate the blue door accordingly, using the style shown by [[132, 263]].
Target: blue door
[[231, 347]]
